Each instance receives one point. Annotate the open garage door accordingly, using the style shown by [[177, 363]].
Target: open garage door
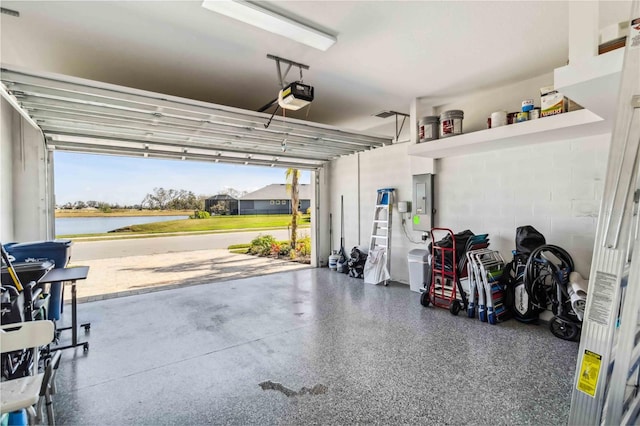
[[86, 116], [92, 117]]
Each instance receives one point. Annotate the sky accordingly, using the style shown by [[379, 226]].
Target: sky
[[126, 180]]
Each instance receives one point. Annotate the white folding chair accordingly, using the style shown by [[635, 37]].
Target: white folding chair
[[25, 392]]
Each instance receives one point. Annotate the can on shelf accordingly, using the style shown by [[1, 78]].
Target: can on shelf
[[527, 105], [534, 114], [522, 116], [498, 118], [428, 128], [451, 123]]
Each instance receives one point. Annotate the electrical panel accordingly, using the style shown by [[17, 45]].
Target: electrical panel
[[423, 209]]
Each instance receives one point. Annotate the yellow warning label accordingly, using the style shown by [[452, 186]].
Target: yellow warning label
[[286, 92], [589, 372]]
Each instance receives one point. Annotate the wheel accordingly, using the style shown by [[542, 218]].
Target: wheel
[[563, 329], [87, 327], [455, 307], [86, 347], [424, 299]]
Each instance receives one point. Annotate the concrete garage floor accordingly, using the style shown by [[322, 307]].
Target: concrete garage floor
[[197, 355]]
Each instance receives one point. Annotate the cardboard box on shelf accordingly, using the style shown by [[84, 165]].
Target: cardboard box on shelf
[[552, 102]]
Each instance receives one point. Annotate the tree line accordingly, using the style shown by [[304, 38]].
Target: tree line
[[158, 199]]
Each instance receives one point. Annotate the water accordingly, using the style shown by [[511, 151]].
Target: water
[[97, 225]]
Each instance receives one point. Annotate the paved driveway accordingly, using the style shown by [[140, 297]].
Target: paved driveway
[[133, 266], [124, 276]]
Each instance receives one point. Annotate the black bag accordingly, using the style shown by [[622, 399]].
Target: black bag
[[528, 239], [356, 263], [517, 298], [461, 242]]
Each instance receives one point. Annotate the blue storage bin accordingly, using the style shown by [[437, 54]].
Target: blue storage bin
[[59, 251]]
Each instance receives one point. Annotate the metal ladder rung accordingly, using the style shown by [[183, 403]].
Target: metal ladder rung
[[384, 237], [631, 414], [382, 206], [380, 221], [635, 357]]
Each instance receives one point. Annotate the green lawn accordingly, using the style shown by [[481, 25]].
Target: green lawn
[[217, 223]]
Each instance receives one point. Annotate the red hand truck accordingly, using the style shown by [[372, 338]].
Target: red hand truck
[[445, 283]]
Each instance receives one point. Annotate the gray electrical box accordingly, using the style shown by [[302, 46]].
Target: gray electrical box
[[423, 209]]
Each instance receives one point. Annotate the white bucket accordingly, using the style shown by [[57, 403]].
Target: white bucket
[[498, 118], [428, 128], [451, 123]]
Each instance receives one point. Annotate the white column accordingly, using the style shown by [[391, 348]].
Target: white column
[[320, 208], [583, 30]]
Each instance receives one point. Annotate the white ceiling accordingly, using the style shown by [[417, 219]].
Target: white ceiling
[[387, 52]]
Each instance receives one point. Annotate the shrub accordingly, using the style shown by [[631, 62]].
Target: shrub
[[281, 248], [308, 210], [285, 248], [200, 214], [303, 247], [261, 245]]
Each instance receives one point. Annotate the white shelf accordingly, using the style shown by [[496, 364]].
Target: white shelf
[[570, 125], [594, 83]]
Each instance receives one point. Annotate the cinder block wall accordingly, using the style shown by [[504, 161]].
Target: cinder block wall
[[556, 187], [381, 168]]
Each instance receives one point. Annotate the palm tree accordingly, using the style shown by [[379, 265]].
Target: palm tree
[[292, 189]]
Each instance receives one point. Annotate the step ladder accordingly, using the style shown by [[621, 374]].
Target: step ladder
[[607, 377], [381, 229]]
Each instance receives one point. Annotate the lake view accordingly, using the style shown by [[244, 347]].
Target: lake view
[[97, 225]]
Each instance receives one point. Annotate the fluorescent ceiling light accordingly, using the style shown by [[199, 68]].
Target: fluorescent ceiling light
[[251, 13]]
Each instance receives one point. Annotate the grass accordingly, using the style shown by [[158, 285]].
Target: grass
[[121, 213], [239, 246], [214, 224], [239, 251]]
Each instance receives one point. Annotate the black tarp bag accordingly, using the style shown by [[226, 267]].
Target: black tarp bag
[[528, 239], [356, 263], [461, 242]]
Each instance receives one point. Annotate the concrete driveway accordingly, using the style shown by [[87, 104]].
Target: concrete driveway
[[124, 247], [134, 266]]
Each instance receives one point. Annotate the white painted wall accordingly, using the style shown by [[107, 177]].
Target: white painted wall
[[556, 187], [358, 177]]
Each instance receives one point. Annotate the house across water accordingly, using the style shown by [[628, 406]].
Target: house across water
[[272, 199]]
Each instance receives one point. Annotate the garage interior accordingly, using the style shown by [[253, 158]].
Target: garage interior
[[175, 80]]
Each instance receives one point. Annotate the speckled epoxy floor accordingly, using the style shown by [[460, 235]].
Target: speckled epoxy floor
[[196, 355]]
